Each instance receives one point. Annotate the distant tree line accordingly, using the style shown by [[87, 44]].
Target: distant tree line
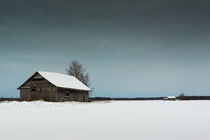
[[9, 99], [149, 98], [193, 98], [124, 99]]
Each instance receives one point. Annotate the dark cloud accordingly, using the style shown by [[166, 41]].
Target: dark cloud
[[164, 38]]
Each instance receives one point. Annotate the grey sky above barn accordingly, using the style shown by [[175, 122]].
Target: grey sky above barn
[[131, 47]]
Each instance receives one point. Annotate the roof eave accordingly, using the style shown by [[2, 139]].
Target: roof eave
[[75, 89]]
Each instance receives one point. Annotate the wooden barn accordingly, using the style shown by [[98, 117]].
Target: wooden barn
[[54, 87]]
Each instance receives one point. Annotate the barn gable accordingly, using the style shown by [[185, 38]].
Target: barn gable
[[35, 80]]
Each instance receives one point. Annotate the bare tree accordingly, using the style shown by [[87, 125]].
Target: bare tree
[[181, 96], [77, 70]]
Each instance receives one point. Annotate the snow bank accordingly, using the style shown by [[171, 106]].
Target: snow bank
[[117, 120]]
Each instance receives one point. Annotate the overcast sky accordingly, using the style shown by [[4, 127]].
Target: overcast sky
[[130, 47]]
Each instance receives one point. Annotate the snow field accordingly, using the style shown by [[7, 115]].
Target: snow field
[[116, 120]]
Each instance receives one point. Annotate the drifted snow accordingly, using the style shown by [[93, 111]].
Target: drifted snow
[[63, 80], [117, 120]]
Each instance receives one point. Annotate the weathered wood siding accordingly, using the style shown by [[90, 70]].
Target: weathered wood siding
[[72, 95], [37, 88]]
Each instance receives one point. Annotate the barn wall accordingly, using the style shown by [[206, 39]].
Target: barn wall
[[72, 95], [24, 94], [47, 94]]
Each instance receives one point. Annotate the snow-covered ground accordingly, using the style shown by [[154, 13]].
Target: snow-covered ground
[[117, 120]]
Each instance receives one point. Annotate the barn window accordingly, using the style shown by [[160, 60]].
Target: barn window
[[33, 89], [38, 79], [67, 94]]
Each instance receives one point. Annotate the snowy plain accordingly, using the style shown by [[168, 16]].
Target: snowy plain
[[116, 120]]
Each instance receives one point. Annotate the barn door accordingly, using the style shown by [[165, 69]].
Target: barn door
[[33, 93], [83, 98]]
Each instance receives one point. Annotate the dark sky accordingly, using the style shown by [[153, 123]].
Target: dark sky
[[130, 47]]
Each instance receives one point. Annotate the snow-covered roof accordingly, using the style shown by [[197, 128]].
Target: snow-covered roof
[[63, 80], [171, 97]]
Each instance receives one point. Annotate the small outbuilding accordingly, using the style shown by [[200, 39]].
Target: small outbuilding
[[54, 87], [170, 98]]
